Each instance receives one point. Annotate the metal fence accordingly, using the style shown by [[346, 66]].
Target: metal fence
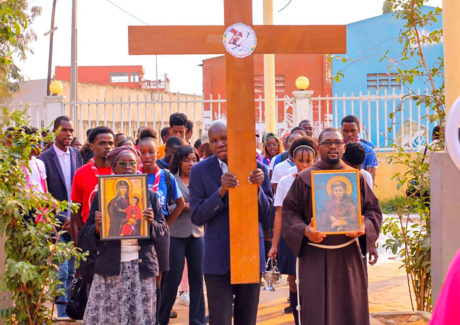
[[407, 125], [126, 115], [386, 119], [216, 109]]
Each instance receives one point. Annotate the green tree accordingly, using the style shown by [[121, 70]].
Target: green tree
[[15, 37], [410, 237], [387, 7], [32, 252]]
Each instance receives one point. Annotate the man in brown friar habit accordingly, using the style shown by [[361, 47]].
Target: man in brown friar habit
[[332, 270]]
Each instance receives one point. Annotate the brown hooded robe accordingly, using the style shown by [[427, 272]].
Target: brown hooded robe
[[332, 282]]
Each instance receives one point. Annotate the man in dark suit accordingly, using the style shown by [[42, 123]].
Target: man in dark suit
[[61, 162], [209, 184]]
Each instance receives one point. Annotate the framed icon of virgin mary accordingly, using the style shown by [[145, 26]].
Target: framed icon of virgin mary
[[122, 199]]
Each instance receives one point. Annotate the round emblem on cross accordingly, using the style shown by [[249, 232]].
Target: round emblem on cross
[[240, 40]]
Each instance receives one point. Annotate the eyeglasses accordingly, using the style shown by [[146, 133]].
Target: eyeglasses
[[125, 164], [329, 143], [274, 145]]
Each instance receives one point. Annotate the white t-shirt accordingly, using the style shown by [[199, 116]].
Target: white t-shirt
[[283, 188], [368, 178], [281, 170], [272, 164], [36, 174]]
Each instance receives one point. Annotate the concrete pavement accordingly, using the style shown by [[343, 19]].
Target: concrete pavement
[[387, 292]]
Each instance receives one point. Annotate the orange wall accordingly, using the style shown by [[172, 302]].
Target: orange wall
[[100, 74]]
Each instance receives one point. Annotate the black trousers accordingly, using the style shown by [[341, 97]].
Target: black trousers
[[221, 295]]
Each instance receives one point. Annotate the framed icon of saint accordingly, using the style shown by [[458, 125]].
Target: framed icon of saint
[[336, 201], [122, 198]]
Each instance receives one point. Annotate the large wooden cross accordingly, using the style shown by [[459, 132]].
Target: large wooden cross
[[244, 245]]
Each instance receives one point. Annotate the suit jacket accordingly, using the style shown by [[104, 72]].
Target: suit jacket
[[106, 257], [54, 175], [210, 210]]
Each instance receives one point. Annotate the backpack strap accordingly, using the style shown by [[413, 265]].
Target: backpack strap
[[169, 200], [284, 156]]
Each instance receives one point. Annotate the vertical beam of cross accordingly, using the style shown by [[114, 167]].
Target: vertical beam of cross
[[244, 225]]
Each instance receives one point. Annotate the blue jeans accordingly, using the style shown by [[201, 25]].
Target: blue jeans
[[192, 249], [65, 276]]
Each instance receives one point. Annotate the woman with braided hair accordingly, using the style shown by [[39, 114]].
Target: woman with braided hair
[[302, 152]]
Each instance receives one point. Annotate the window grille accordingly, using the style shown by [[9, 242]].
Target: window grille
[[381, 81]]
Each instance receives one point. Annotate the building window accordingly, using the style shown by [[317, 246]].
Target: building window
[[381, 81], [119, 77], [134, 77], [280, 83]]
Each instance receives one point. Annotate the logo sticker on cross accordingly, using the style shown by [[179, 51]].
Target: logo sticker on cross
[[240, 40]]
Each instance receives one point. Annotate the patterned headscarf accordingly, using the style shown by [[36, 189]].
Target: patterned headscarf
[[116, 153]]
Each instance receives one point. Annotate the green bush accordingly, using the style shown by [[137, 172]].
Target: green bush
[[388, 206], [32, 252]]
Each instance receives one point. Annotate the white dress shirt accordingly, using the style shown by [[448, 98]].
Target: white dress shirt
[[282, 190], [223, 166], [64, 160]]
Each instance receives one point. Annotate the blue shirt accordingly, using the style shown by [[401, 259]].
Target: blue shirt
[[371, 159], [162, 190], [163, 164], [370, 144]]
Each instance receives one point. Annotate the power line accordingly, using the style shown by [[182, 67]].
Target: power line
[[126, 12], [289, 2], [145, 23]]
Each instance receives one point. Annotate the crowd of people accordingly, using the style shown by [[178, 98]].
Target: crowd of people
[[136, 281]]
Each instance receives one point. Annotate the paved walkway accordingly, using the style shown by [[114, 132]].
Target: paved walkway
[[387, 292]]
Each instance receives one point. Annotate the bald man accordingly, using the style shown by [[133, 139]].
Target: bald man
[[210, 181]]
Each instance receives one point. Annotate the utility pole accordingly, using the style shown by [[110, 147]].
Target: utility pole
[[73, 64], [156, 74], [269, 76], [50, 55], [451, 27]]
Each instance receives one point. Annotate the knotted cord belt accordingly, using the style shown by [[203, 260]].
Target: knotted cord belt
[[348, 243]]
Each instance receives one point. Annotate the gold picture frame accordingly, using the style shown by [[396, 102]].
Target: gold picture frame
[[336, 198], [122, 198]]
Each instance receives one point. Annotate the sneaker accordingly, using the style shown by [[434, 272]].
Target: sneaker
[[184, 299], [173, 314], [288, 310]]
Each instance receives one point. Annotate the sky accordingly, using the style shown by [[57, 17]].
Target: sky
[[103, 31]]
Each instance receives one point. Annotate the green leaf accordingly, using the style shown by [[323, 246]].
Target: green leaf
[[17, 28]]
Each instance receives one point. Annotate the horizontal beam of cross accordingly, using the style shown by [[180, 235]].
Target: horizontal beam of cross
[[273, 39]]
